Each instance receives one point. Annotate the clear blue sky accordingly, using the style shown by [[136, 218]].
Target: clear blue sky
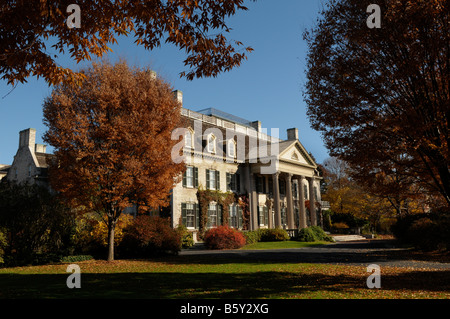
[[267, 87]]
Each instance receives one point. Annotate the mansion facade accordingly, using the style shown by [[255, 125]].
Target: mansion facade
[[277, 178], [275, 182]]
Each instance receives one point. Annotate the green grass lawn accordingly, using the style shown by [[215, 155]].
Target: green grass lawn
[[283, 244], [218, 277]]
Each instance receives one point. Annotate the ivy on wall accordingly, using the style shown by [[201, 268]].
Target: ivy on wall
[[224, 199]]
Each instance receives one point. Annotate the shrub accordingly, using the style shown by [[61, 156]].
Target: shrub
[[252, 237], [320, 234], [186, 237], [424, 231], [273, 234], [90, 234], [313, 233], [224, 237], [306, 235], [77, 258], [149, 236], [37, 223], [3, 244], [99, 232]]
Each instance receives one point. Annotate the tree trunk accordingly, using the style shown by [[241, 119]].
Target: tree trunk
[[111, 228]]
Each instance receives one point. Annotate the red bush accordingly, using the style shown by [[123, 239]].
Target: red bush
[[150, 235], [224, 237]]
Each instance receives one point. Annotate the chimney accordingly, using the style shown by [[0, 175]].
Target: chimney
[[256, 125], [40, 148], [178, 96], [27, 138], [292, 134]]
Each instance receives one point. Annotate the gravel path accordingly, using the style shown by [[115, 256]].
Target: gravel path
[[380, 252]]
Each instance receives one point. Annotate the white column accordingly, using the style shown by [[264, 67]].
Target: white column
[[276, 196], [290, 202], [301, 202], [312, 202]]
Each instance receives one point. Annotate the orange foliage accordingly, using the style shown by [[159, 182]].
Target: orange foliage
[[197, 27], [381, 96], [112, 140]]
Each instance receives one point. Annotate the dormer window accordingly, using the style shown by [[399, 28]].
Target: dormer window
[[231, 148], [188, 138], [211, 143]]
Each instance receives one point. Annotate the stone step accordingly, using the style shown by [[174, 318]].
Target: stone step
[[339, 238]]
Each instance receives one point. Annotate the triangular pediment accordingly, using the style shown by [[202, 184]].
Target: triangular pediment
[[296, 153]]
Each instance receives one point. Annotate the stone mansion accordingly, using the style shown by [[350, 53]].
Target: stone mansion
[[278, 178]]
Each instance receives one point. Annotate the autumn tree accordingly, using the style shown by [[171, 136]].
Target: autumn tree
[[35, 32], [112, 141], [380, 96], [385, 200]]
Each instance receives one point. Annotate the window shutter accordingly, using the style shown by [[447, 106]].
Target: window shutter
[[183, 213], [195, 177], [266, 216], [196, 216], [238, 183], [184, 179], [258, 211], [207, 179], [228, 182], [218, 180], [219, 215]]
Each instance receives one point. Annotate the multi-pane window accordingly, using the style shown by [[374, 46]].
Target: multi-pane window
[[188, 139], [212, 179], [233, 182], [233, 216], [263, 215], [190, 177], [283, 216], [214, 215], [190, 215], [295, 190]]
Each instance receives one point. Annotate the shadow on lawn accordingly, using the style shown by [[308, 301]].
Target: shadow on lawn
[[269, 284]]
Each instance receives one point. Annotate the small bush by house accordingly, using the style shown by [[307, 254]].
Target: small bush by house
[[273, 234], [186, 237], [313, 233], [224, 237], [252, 236]]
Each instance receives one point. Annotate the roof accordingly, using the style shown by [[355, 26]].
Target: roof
[[264, 149], [43, 159]]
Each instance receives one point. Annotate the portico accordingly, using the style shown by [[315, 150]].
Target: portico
[[293, 190]]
